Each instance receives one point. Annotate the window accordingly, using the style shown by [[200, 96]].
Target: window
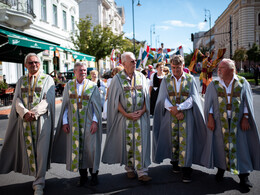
[[55, 15], [43, 10], [259, 19], [64, 20], [72, 24]]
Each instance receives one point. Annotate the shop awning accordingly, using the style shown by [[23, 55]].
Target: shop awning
[[15, 45], [78, 55]]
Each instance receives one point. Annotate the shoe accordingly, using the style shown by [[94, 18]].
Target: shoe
[[186, 177], [131, 175], [38, 190], [244, 181], [82, 181], [144, 178], [220, 175], [94, 179], [175, 167]]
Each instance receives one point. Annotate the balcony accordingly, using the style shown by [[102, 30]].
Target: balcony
[[16, 14]]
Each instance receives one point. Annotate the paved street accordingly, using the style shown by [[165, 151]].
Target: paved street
[[113, 180]]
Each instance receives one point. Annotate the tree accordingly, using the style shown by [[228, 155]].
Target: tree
[[240, 55], [96, 40], [253, 53]]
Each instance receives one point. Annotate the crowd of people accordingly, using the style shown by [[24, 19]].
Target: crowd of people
[[223, 135]]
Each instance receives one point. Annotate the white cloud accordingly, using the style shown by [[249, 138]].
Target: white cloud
[[129, 34], [163, 27], [179, 23], [202, 26]]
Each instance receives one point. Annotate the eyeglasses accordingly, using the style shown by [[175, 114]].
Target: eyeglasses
[[133, 61], [33, 62]]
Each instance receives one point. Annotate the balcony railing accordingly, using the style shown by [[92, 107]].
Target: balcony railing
[[20, 5]]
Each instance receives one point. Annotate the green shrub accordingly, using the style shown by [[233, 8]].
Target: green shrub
[[247, 75], [3, 85]]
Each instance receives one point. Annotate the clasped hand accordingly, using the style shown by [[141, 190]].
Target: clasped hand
[[29, 116], [178, 114]]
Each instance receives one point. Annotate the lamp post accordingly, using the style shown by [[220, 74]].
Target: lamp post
[[207, 14], [133, 13], [152, 31]]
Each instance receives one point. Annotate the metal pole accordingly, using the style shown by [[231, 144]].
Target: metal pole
[[209, 31], [230, 34], [133, 24]]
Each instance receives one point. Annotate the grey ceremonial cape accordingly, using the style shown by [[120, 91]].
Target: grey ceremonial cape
[[14, 156], [195, 127], [248, 144], [115, 145], [62, 146]]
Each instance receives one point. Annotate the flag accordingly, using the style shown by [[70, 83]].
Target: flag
[[180, 51], [193, 60], [112, 56], [145, 55], [220, 55], [139, 59]]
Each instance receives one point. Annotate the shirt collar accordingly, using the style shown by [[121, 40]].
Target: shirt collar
[[183, 75], [128, 78], [80, 83], [234, 78]]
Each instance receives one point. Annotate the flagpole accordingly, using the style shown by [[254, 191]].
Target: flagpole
[[133, 13]]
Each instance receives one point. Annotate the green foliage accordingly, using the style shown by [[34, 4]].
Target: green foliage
[[3, 85], [254, 53], [240, 54], [96, 40], [247, 75]]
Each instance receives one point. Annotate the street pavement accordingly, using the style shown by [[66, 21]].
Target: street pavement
[[113, 180]]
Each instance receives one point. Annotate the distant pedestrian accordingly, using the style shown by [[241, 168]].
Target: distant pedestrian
[[232, 137], [100, 84], [30, 129], [155, 82], [79, 131], [256, 73]]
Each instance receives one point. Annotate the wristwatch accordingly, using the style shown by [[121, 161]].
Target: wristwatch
[[246, 116]]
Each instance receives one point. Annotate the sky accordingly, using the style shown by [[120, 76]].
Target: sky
[[173, 21]]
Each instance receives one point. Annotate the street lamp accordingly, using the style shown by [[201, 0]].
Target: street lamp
[[207, 14], [152, 31], [133, 13]]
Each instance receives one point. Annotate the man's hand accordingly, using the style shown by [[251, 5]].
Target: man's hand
[[180, 116], [211, 122], [135, 115], [29, 116], [93, 127], [244, 124], [66, 128], [173, 110]]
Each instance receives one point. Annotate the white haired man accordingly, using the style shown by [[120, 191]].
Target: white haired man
[[232, 137], [29, 134], [128, 121]]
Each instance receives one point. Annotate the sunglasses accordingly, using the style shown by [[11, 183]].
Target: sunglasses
[[133, 61], [33, 62]]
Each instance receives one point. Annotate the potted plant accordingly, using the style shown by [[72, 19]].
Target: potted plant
[[5, 89]]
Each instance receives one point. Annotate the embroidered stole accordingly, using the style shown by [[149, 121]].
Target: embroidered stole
[[79, 112], [31, 97], [133, 128], [229, 134], [179, 137]]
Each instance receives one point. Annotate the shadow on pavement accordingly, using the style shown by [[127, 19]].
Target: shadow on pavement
[[163, 182], [3, 116]]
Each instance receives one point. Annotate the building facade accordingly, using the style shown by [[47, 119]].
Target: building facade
[[237, 27], [52, 21], [104, 13]]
